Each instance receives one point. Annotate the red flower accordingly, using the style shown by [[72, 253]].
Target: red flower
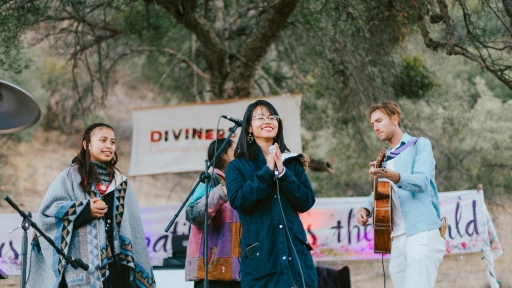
[[463, 244]]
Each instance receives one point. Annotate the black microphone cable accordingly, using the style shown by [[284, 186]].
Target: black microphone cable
[[276, 173], [383, 270]]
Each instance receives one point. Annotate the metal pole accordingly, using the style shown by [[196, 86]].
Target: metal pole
[[25, 225]]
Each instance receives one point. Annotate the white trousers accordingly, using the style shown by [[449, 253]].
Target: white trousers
[[415, 260]]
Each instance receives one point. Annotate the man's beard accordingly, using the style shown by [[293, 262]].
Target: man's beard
[[387, 137]]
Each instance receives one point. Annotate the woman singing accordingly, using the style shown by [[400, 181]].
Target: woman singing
[[275, 252]]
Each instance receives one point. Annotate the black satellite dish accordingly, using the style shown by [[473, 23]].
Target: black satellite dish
[[18, 110]]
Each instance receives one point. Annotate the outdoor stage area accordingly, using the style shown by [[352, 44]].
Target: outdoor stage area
[[458, 270], [454, 273]]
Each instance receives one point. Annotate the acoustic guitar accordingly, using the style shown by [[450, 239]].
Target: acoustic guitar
[[382, 221]]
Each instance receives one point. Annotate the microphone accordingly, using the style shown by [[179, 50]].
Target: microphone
[[84, 266], [234, 120], [271, 150]]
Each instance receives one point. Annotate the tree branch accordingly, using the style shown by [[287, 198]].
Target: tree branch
[[17, 5], [498, 73], [266, 33], [196, 69], [262, 72], [184, 12], [89, 44], [82, 19], [320, 166], [453, 48], [241, 12], [257, 45], [321, 8], [5, 2], [449, 26], [498, 16]]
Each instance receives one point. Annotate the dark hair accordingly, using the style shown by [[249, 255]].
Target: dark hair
[[83, 159], [249, 150], [219, 162]]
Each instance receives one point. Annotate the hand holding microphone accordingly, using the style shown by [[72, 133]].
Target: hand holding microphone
[[274, 159]]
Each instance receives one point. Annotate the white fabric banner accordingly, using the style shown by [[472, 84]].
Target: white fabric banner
[[175, 139], [334, 233], [331, 229], [10, 243]]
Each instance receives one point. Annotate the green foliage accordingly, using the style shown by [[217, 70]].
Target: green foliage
[[169, 78], [13, 23], [464, 69], [343, 57], [352, 61], [471, 145], [57, 81], [55, 75], [28, 82], [151, 25], [414, 80], [471, 141]]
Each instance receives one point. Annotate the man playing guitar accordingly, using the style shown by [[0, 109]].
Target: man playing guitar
[[417, 247]]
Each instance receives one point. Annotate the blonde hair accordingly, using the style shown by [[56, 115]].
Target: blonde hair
[[389, 108]]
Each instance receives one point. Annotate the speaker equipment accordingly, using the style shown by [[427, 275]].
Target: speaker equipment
[[18, 110], [179, 252], [179, 246]]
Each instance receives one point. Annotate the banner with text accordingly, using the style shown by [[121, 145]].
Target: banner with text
[[175, 139], [331, 229], [334, 233]]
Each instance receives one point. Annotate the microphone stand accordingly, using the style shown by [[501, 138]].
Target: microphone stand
[[204, 177], [25, 225]]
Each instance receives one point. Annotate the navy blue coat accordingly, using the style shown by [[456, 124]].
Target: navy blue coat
[[268, 259]]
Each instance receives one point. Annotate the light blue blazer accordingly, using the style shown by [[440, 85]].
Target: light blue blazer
[[417, 190]]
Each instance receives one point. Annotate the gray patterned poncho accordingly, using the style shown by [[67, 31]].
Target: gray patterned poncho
[[61, 205]]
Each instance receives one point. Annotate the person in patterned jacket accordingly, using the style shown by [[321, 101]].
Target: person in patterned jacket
[[223, 228], [91, 212]]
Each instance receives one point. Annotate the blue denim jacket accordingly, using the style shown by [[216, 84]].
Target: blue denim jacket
[[417, 189]]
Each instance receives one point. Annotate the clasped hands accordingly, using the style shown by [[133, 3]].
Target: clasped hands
[[274, 158]]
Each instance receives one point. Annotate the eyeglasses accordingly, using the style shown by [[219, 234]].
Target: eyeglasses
[[261, 118]]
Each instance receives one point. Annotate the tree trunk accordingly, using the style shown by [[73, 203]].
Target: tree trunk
[[245, 63], [231, 76]]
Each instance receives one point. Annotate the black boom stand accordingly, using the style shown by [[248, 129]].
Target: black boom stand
[[204, 177], [25, 225]]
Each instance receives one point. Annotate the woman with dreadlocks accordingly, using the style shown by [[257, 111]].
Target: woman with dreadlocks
[[91, 212]]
